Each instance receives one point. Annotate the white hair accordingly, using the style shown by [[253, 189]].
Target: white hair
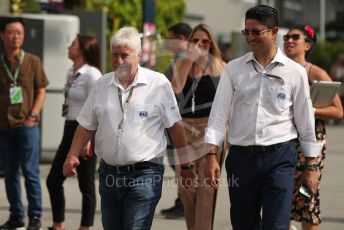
[[127, 36]]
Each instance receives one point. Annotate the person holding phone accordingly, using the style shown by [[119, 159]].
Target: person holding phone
[[298, 42]]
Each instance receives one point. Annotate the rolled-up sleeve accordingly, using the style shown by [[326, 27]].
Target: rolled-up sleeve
[[220, 110]]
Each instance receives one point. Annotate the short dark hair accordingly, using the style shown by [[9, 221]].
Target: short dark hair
[[181, 29], [8, 20], [264, 14]]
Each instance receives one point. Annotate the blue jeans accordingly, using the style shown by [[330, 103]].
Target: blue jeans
[[261, 181], [19, 149], [128, 200]]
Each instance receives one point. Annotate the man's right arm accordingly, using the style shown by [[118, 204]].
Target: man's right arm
[[81, 137]]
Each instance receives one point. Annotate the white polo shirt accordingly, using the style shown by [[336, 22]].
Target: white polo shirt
[[151, 108], [80, 89], [264, 110]]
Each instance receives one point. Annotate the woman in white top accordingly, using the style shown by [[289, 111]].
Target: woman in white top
[[84, 52]]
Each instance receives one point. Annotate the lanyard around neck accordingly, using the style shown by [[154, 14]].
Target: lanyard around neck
[[69, 83], [268, 74], [120, 125], [16, 73], [128, 98]]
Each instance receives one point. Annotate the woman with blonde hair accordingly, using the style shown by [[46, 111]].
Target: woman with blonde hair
[[194, 81]]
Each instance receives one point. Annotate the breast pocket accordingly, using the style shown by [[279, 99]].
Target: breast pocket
[[280, 96], [144, 113]]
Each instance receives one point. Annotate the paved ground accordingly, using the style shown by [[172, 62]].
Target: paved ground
[[332, 198]]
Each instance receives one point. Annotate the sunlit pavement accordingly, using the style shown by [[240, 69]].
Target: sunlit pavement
[[332, 198]]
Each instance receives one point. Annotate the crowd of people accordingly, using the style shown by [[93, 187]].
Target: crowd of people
[[257, 108]]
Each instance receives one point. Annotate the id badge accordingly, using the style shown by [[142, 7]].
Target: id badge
[[64, 110], [119, 132], [120, 128], [16, 95]]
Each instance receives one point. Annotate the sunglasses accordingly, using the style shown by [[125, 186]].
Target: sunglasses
[[203, 41], [254, 32], [294, 37]]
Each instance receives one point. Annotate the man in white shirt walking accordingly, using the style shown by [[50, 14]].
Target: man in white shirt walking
[[127, 111], [264, 96]]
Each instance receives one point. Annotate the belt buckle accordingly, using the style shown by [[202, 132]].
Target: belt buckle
[[122, 169]]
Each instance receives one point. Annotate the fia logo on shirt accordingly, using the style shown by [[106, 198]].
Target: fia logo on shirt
[[281, 96], [143, 114]]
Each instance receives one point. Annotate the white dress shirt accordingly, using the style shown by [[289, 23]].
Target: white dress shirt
[[151, 108], [262, 110], [80, 89]]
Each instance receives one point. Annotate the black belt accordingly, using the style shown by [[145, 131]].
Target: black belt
[[259, 148], [130, 168]]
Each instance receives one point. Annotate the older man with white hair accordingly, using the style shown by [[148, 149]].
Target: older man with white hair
[[127, 111]]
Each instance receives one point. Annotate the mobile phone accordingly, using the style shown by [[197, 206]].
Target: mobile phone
[[304, 191]]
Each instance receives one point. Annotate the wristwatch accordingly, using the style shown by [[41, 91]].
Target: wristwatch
[[312, 167], [33, 116], [187, 167]]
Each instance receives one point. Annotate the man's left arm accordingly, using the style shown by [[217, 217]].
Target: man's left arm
[[305, 124], [178, 137], [37, 106]]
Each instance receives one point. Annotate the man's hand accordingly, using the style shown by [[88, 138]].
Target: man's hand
[[69, 166], [311, 180], [212, 171], [29, 122]]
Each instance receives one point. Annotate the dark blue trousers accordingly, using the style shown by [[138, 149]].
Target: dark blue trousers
[[260, 187]]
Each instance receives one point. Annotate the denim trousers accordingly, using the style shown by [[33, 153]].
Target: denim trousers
[[128, 200], [19, 149], [260, 187]]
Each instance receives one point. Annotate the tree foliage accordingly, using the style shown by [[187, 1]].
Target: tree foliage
[[119, 13], [129, 12], [324, 54], [27, 6]]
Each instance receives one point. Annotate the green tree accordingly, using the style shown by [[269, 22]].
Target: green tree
[[27, 6], [120, 13], [324, 54], [129, 12]]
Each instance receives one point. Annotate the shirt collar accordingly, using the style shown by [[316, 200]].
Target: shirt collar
[[139, 79], [82, 69], [279, 57]]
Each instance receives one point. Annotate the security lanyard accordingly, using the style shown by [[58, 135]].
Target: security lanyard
[[268, 74], [120, 125], [69, 83], [194, 88], [16, 73]]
